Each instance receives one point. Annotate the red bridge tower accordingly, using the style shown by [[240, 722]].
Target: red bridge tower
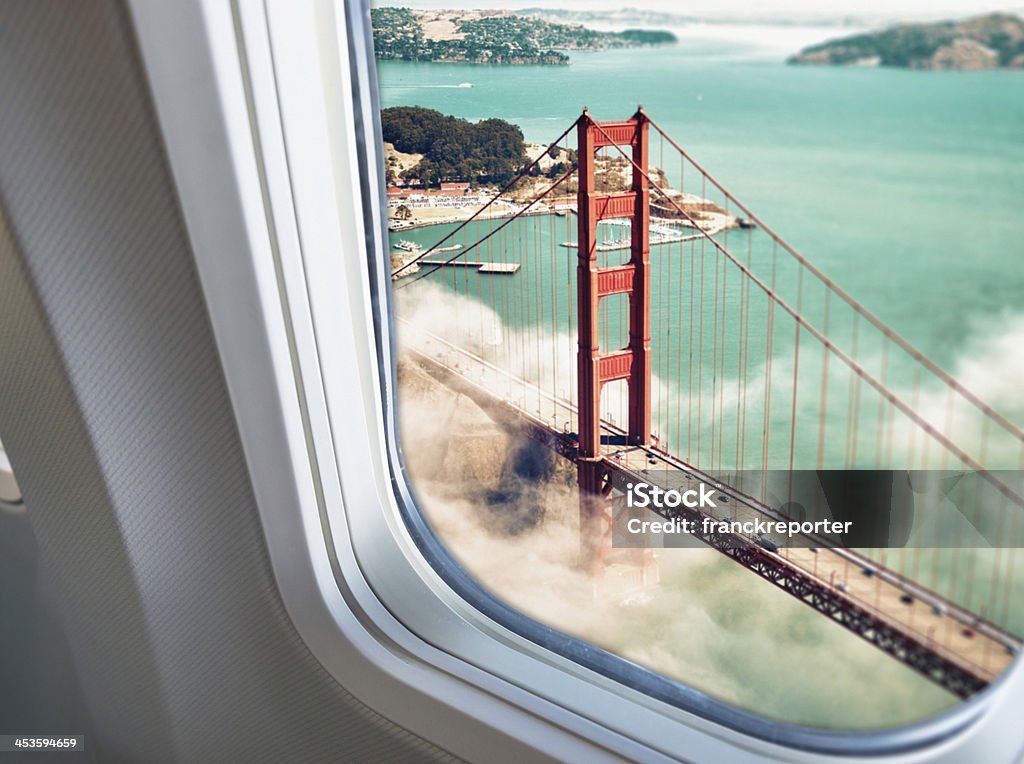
[[597, 365]]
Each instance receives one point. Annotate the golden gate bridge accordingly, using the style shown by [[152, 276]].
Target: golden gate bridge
[[711, 350]]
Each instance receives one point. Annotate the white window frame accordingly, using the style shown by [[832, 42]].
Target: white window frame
[[258, 103]]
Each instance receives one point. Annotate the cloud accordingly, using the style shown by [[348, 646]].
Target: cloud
[[508, 511]]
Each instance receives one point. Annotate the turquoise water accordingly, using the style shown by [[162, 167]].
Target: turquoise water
[[904, 187]]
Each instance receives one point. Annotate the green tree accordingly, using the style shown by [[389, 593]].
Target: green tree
[[490, 151]]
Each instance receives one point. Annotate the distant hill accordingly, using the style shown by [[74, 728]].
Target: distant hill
[[491, 37], [992, 41]]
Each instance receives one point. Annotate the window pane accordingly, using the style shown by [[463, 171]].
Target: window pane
[[584, 313]]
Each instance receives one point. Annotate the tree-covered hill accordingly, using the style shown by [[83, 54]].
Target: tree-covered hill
[[491, 37], [453, 149], [984, 42]]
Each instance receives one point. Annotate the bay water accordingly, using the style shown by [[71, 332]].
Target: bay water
[[905, 187]]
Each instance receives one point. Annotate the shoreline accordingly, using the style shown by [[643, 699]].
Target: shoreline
[[665, 231], [702, 210], [462, 214]]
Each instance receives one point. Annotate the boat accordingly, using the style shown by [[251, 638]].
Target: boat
[[408, 246]]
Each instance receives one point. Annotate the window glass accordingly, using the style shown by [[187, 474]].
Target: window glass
[[785, 291]]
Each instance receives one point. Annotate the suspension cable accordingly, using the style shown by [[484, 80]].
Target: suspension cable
[[1012, 428], [520, 176], [478, 242], [907, 410]]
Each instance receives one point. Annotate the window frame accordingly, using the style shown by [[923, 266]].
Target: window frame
[[252, 98]]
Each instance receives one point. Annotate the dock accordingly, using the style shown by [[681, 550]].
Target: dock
[[504, 269]]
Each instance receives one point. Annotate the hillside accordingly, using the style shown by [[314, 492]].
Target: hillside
[[491, 37], [449, 148], [992, 41]]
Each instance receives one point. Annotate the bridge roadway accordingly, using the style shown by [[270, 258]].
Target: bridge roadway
[[950, 645]]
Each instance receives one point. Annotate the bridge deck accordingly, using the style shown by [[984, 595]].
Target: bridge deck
[[934, 636]]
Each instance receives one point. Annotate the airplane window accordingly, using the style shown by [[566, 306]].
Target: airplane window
[[715, 384], [10, 494]]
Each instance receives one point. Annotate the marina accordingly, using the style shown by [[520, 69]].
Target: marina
[[660, 234]]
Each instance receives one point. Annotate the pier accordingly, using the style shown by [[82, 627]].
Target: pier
[[504, 269]]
